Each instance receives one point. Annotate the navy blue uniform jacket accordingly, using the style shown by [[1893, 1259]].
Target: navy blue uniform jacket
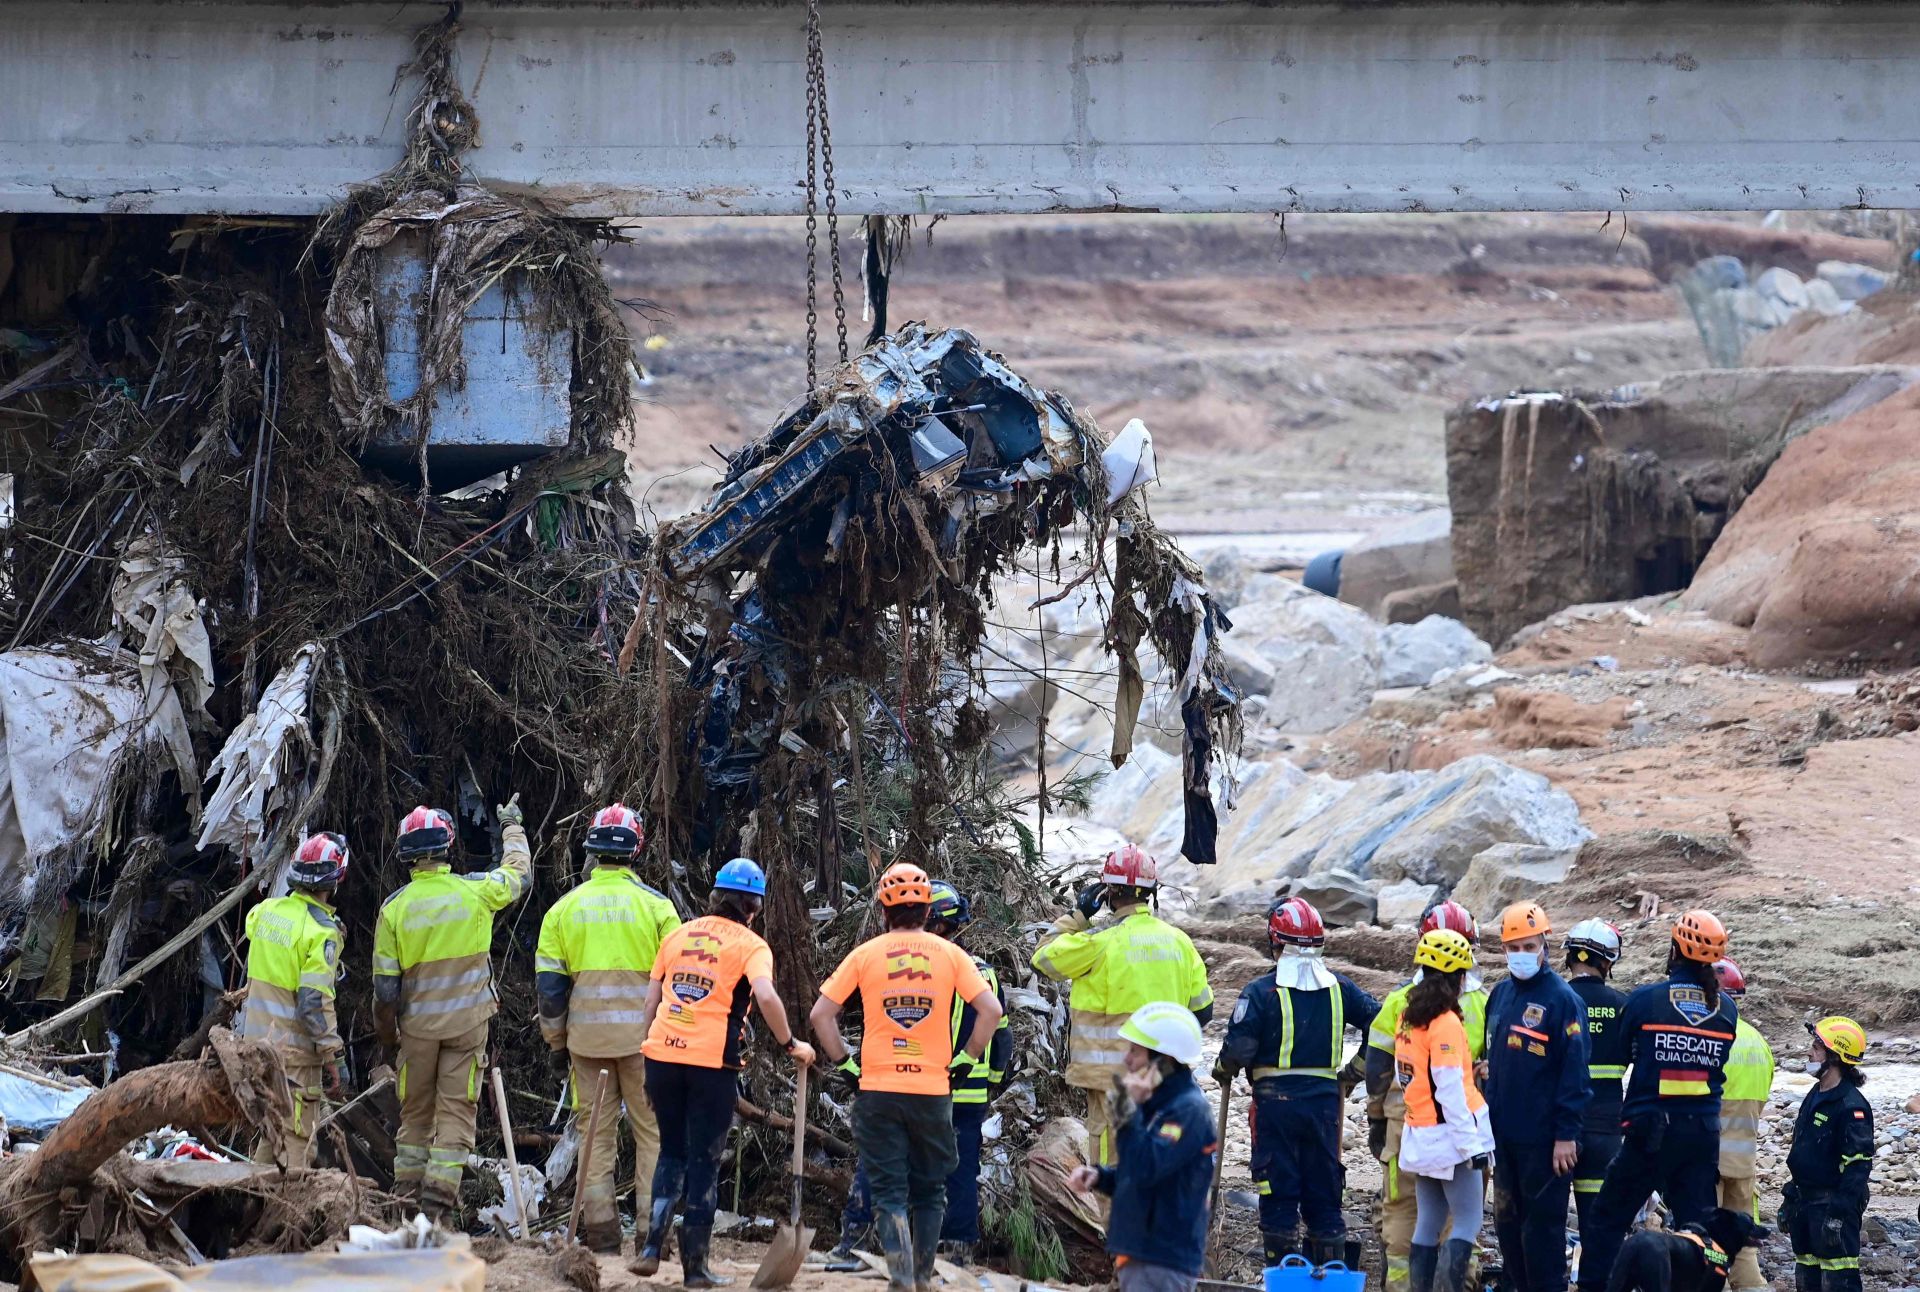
[[1159, 1190], [1300, 1035], [1537, 1086]]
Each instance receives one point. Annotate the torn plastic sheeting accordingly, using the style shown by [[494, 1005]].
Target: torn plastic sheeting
[[71, 719], [1129, 461], [30, 1106], [160, 619], [254, 764], [446, 1269]]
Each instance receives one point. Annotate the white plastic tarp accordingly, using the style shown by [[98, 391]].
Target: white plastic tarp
[[261, 759], [69, 716], [30, 1106]]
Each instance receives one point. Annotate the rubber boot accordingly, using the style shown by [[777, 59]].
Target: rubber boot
[[896, 1243], [1325, 1249], [1422, 1265], [1806, 1278], [926, 1245], [852, 1234], [961, 1254], [1451, 1276], [659, 1222], [1277, 1244], [695, 1243], [602, 1237]]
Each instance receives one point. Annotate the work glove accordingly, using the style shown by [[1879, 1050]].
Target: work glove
[[1377, 1138], [1790, 1207], [848, 1070], [330, 1083], [1088, 901], [509, 812]]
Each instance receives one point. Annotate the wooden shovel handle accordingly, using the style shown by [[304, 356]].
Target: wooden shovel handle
[[799, 1134], [586, 1154]]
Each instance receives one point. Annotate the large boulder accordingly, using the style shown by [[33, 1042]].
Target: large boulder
[[1410, 654], [1324, 655], [1294, 826], [1417, 552], [1820, 561], [1411, 605], [1564, 498], [1404, 902], [1851, 281], [1341, 896], [1512, 872]]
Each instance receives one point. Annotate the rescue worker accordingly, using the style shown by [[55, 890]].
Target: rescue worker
[[1537, 1091], [1387, 1108], [293, 961], [1830, 1163], [1679, 1034], [1743, 1098], [1592, 949], [907, 979], [1158, 1233], [1448, 1132], [591, 969], [949, 917], [706, 972], [1135, 960], [433, 994], [1288, 1033]]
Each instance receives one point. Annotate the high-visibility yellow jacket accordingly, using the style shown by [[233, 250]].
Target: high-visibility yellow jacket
[[432, 938], [970, 1081], [596, 953], [1134, 961], [1749, 1081], [293, 960]]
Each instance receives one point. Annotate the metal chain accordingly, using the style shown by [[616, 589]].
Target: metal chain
[[820, 170]]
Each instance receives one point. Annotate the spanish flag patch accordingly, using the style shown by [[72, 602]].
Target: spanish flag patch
[[1170, 1132]]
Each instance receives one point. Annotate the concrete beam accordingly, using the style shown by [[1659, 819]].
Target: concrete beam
[[974, 105]]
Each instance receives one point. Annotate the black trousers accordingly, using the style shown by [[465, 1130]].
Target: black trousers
[[1296, 1161], [695, 1109], [1597, 1151], [1825, 1260], [1677, 1155], [1530, 1217], [906, 1148]]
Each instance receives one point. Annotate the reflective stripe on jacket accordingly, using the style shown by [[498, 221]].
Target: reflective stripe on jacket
[[1136, 960], [1749, 1082], [1293, 1036], [971, 1080], [433, 938], [595, 956], [293, 959]]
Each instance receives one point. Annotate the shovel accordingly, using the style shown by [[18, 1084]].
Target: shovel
[[1219, 1163], [791, 1243]]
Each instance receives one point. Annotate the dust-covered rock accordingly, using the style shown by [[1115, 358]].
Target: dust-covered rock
[[1411, 654], [1341, 896], [1325, 656], [1511, 872], [1404, 902]]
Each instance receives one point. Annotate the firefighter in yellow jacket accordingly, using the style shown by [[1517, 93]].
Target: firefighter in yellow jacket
[[433, 994], [591, 969], [293, 960], [1134, 961]]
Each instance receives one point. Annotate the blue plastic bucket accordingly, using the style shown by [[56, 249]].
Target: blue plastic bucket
[[1298, 1274]]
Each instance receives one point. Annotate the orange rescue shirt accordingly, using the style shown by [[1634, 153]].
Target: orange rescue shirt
[[907, 981], [705, 969]]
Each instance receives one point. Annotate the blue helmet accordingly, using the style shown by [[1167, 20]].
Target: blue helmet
[[948, 904], [742, 875]]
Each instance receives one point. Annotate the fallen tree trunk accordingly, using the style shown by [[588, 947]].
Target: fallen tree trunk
[[234, 1083]]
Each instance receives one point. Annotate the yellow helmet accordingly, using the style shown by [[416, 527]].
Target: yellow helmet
[[1444, 951], [1843, 1038]]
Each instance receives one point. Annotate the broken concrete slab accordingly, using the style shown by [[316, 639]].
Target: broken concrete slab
[[1416, 552], [1560, 498], [1512, 872]]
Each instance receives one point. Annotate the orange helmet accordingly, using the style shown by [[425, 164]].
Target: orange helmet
[[1701, 937], [1524, 920], [904, 884]]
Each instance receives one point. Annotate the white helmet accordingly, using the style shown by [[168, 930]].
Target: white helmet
[[1596, 937], [1165, 1028]]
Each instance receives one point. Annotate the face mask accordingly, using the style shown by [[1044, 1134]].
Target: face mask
[[1523, 964], [1815, 1067]]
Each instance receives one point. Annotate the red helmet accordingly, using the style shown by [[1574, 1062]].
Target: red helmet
[[1450, 915], [425, 831], [1130, 866], [321, 860], [1293, 922], [1732, 981], [616, 830]]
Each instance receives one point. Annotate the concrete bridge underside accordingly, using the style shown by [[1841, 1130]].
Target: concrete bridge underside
[[180, 106]]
